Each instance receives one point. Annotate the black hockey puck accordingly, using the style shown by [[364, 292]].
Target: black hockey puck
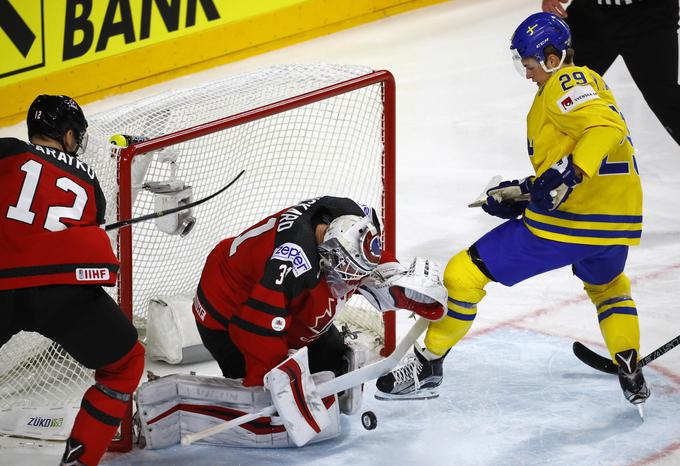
[[369, 420]]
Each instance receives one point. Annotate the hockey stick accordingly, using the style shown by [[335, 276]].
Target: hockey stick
[[162, 213], [603, 364], [344, 382]]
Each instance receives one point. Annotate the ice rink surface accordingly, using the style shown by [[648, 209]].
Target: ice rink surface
[[513, 393]]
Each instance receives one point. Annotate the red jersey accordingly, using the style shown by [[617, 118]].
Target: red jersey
[[51, 206], [266, 285]]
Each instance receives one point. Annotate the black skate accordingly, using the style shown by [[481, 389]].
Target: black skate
[[74, 450], [631, 379], [418, 379]]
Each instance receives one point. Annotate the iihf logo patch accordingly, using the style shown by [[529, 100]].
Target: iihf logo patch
[[90, 275]]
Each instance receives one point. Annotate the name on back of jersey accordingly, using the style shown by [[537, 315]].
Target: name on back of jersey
[[576, 96], [69, 160], [291, 252], [289, 216]]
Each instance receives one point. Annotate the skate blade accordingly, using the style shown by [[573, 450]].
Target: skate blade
[[641, 410], [417, 395]]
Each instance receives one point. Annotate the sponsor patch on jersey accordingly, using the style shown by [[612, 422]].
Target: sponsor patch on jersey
[[575, 97], [294, 254], [200, 311], [92, 275], [278, 323]]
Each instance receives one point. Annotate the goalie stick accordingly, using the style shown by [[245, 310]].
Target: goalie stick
[[338, 384], [603, 364], [162, 213]]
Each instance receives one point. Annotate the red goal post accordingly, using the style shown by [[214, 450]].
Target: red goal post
[[386, 85]]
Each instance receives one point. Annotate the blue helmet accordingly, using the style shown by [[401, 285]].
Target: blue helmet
[[537, 32]]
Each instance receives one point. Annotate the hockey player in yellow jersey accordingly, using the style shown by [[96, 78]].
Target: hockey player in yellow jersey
[[582, 208]]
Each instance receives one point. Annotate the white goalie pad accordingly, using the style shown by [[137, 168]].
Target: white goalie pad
[[177, 405], [418, 288], [171, 334], [296, 399]]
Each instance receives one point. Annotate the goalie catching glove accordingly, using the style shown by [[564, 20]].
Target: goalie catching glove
[[417, 288], [296, 399]]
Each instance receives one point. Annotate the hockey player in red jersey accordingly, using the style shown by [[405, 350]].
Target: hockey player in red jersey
[[278, 285], [55, 257]]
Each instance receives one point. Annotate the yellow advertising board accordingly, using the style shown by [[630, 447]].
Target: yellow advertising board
[[91, 48]]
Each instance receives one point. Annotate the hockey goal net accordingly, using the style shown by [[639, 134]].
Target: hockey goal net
[[298, 131]]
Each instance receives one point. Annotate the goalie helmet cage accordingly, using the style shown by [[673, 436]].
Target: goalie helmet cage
[[299, 131]]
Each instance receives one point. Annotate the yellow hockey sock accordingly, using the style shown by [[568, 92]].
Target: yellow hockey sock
[[465, 285], [617, 314]]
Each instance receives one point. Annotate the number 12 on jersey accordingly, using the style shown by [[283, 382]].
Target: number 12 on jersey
[[22, 210]]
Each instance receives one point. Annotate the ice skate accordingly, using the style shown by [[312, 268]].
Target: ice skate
[[632, 381], [418, 379]]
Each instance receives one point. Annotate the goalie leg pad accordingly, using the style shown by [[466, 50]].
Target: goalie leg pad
[[296, 399], [616, 313], [465, 283], [176, 405]]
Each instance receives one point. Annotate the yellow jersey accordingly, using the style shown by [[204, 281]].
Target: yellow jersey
[[574, 112]]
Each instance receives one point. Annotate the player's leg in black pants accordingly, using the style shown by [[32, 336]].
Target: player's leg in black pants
[[8, 324], [228, 357], [590, 36], [90, 326], [651, 55], [325, 353]]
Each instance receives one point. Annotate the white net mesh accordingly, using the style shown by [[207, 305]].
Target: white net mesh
[[333, 146]]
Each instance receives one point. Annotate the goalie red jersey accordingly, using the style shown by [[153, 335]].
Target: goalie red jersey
[[51, 206], [266, 285]]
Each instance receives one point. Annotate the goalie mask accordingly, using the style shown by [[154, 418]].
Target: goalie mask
[[351, 249]]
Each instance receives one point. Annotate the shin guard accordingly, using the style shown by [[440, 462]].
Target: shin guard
[[465, 283], [104, 405], [617, 314]]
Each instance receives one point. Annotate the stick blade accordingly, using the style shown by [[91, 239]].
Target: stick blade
[[592, 359]]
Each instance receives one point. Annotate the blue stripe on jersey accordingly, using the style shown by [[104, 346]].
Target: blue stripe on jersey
[[463, 304], [583, 232], [459, 316], [617, 310], [614, 301], [587, 217]]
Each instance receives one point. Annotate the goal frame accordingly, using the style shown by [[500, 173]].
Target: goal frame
[[124, 198]]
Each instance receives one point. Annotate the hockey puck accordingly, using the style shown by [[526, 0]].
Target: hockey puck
[[369, 420]]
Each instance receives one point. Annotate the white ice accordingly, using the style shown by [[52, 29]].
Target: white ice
[[513, 393]]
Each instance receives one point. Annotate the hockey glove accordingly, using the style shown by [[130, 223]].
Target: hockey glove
[[417, 289], [553, 187], [508, 199]]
